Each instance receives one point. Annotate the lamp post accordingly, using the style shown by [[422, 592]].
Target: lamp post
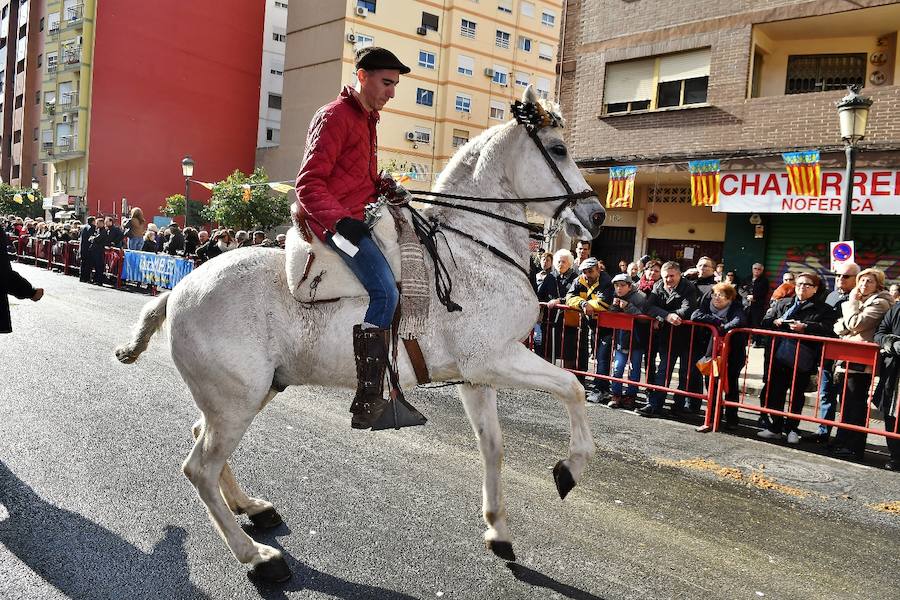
[[187, 169], [35, 184], [853, 111]]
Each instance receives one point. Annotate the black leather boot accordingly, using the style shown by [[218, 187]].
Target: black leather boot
[[370, 349]]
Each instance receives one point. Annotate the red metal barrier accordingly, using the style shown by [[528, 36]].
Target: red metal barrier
[[862, 355], [623, 322]]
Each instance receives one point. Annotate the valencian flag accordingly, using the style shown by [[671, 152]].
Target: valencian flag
[[804, 172], [620, 192], [704, 182]]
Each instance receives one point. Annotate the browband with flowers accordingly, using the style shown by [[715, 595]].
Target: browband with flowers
[[534, 116]]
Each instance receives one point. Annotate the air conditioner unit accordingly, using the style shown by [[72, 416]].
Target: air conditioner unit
[[361, 11], [79, 40], [411, 136], [421, 30], [65, 119], [351, 38], [488, 72]]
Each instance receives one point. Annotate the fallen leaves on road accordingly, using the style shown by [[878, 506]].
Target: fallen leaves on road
[[755, 479], [888, 507]]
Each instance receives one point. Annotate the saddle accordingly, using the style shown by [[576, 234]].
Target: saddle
[[316, 273]]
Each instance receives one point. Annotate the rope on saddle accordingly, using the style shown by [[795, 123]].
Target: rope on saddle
[[414, 295]]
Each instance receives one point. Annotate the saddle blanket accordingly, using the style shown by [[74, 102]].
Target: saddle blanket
[[316, 273]]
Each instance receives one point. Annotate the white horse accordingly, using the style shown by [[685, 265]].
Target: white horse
[[238, 337]]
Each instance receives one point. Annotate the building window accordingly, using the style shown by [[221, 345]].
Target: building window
[[16, 171], [524, 43], [40, 60], [522, 79], [466, 65], [279, 37], [545, 51], [20, 100], [44, 169], [37, 97], [463, 103], [824, 72], [501, 76], [527, 9], [36, 132], [283, 5], [275, 71], [543, 87], [426, 59], [369, 5], [430, 21], [467, 28], [498, 110], [273, 135], [277, 67], [505, 6], [275, 101], [41, 27], [424, 97], [502, 39], [17, 136], [657, 82], [363, 41], [460, 137], [548, 18], [423, 135]]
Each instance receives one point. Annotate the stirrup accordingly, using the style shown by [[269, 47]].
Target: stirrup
[[399, 413]]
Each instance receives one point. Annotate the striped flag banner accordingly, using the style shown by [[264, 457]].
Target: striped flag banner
[[804, 172], [704, 182], [620, 192]]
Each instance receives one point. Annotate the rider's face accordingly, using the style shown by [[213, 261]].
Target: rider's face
[[377, 87]]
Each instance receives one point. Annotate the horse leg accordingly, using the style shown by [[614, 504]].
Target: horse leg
[[204, 467], [522, 369], [480, 403], [261, 512]]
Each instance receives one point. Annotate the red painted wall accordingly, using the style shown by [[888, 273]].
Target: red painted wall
[[172, 78]]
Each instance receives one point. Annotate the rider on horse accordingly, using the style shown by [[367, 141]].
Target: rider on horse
[[338, 177]]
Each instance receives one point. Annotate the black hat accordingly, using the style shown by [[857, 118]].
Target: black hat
[[373, 58]]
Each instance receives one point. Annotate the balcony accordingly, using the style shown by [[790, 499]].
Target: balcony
[[71, 59], [68, 102], [67, 147], [53, 30], [73, 17]]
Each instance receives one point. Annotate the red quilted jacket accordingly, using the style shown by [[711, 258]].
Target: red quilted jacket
[[339, 171]]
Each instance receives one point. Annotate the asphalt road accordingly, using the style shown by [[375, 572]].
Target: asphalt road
[[93, 504]]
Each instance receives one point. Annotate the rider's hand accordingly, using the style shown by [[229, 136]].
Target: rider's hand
[[352, 229]]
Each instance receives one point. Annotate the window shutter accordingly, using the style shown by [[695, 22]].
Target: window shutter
[[628, 81], [686, 65]]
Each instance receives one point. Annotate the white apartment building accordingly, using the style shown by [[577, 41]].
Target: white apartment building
[[272, 74]]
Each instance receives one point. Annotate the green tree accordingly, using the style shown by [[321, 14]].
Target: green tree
[[263, 209], [174, 207], [28, 207]]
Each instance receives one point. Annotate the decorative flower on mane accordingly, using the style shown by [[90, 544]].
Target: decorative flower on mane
[[536, 115]]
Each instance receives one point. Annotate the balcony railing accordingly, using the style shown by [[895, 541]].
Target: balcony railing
[[53, 30], [71, 59], [67, 144], [68, 102], [74, 16]]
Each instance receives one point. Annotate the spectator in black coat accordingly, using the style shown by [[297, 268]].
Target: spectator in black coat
[[888, 337], [175, 243], [756, 296], [12, 283], [553, 291], [704, 282], [806, 313], [84, 246], [191, 241], [98, 243], [672, 301], [115, 233]]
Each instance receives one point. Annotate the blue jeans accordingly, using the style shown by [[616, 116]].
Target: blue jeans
[[637, 357], [827, 398], [373, 271], [663, 377], [604, 344]]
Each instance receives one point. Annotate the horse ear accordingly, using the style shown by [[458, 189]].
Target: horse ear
[[529, 96]]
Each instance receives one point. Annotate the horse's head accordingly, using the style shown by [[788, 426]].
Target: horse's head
[[532, 175]]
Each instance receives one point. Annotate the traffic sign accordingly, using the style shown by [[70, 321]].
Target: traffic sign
[[842, 252]]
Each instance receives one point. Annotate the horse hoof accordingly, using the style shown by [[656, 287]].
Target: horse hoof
[[563, 478], [274, 570], [266, 519], [502, 549]]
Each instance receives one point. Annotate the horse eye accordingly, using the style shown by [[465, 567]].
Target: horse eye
[[558, 150]]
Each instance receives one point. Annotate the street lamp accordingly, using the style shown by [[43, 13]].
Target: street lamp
[[187, 169], [853, 111], [35, 184]]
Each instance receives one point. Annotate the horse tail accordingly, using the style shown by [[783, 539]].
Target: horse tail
[[152, 317]]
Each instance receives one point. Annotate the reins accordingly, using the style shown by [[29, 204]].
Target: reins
[[533, 117]]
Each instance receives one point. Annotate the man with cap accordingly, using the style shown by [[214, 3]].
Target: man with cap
[[630, 345], [337, 178], [591, 294]]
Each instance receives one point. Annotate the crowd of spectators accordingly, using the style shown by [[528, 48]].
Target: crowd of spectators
[[134, 232], [860, 308]]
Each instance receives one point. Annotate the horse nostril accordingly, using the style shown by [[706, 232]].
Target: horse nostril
[[598, 217]]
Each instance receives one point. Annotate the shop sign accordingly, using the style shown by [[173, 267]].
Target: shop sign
[[875, 192]]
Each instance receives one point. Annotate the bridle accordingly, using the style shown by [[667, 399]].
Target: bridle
[[533, 117]]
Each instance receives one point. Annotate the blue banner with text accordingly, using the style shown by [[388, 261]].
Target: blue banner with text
[[160, 270]]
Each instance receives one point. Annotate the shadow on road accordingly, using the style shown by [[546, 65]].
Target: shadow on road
[[532, 577], [313, 580], [84, 560]]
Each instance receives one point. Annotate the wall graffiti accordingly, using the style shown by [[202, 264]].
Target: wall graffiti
[[879, 251]]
